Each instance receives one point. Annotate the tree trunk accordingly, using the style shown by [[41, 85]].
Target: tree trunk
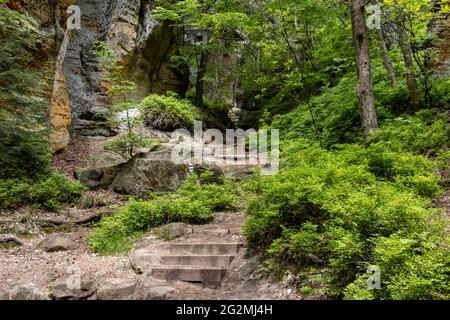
[[199, 88], [364, 71], [411, 81], [386, 59]]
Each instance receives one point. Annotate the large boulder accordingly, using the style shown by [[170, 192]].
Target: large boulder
[[54, 244], [89, 201], [142, 260], [149, 172], [172, 231], [146, 172], [96, 178]]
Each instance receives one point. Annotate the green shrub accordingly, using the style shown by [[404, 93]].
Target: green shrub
[[194, 203], [441, 92], [333, 208], [168, 113], [116, 234], [425, 133], [55, 191], [190, 210], [50, 193], [13, 192], [410, 268], [303, 247], [217, 197]]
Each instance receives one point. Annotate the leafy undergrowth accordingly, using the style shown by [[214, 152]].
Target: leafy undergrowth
[[168, 112], [50, 192], [339, 211], [194, 203]]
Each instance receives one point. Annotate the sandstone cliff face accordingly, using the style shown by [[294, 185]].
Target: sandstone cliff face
[[143, 45], [48, 13], [78, 102], [439, 55], [51, 15], [60, 112]]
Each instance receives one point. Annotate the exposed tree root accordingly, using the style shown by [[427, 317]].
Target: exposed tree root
[[93, 218], [11, 239]]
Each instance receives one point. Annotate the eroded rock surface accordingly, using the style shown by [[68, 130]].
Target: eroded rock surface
[[160, 293], [54, 244], [144, 173], [139, 42], [116, 289], [71, 288]]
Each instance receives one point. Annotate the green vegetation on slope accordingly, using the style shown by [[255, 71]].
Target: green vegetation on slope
[[350, 207], [194, 203], [168, 112], [25, 173], [51, 192], [23, 144], [335, 208]]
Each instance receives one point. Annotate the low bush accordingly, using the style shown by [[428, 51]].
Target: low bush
[[51, 193], [335, 210], [13, 192], [413, 267], [22, 154], [215, 196], [425, 133], [55, 191], [168, 113], [440, 92], [194, 203]]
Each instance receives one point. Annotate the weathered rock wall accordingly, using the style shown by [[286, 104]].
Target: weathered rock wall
[[439, 53], [77, 98], [78, 103], [142, 44], [60, 112], [50, 16]]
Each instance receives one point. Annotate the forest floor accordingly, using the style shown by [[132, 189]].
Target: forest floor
[[25, 265]]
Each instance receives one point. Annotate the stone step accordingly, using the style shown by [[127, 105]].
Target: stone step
[[205, 248], [216, 232], [143, 260], [232, 157], [197, 260], [188, 274]]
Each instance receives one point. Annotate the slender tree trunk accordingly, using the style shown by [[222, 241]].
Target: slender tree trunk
[[411, 81], [364, 70], [199, 88], [130, 131], [386, 59]]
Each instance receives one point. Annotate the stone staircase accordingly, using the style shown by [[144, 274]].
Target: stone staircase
[[234, 160], [202, 257], [227, 157]]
